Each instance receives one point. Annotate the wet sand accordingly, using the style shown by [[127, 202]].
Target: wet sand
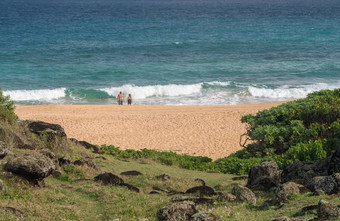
[[212, 131]]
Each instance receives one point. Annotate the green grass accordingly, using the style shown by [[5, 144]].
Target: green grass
[[66, 199]]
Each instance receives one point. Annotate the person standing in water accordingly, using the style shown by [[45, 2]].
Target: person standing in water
[[129, 99], [120, 98]]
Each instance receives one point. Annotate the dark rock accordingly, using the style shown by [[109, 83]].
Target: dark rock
[[264, 183], [50, 155], [18, 179], [329, 184], [154, 192], [159, 189], [228, 197], [203, 217], [177, 211], [201, 190], [3, 149], [14, 211], [311, 183], [86, 161], [264, 176], [200, 181], [244, 194], [284, 218], [101, 157], [287, 189], [306, 210], [174, 192], [203, 200], [327, 211], [130, 187], [303, 172], [64, 161], [87, 145], [183, 198], [109, 179], [281, 205], [79, 180], [56, 173], [33, 167], [239, 178], [163, 177], [196, 199], [40, 128], [294, 171], [303, 189], [131, 173], [334, 164], [78, 163], [318, 193]]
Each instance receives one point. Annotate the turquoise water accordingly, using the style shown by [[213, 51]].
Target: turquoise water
[[168, 52]]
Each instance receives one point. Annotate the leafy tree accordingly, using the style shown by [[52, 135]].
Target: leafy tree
[[7, 109]]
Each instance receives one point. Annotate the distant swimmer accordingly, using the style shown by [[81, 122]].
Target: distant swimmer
[[120, 98], [129, 99]]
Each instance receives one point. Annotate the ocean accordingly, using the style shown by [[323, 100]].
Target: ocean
[[168, 52]]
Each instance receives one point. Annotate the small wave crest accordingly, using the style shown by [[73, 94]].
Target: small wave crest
[[36, 95], [204, 93], [170, 90], [288, 92], [142, 92]]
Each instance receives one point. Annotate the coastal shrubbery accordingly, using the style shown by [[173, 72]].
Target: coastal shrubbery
[[306, 129], [166, 158], [232, 164], [7, 109]]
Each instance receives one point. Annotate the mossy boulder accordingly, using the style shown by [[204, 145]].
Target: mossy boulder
[[33, 167]]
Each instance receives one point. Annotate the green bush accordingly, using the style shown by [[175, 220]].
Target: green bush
[[311, 151], [166, 158], [231, 164], [7, 109], [235, 165], [297, 125]]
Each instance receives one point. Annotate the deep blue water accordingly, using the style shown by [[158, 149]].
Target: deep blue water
[[195, 52]]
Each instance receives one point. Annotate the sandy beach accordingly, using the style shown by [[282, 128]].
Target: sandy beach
[[212, 131]]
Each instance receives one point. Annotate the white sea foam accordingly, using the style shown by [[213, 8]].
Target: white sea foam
[[35, 95], [204, 93], [170, 90], [218, 83], [288, 92], [142, 92]]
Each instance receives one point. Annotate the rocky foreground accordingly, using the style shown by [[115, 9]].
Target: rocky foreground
[[41, 142]]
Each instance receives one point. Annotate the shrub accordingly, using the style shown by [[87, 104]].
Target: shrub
[[298, 125], [311, 151], [7, 109], [235, 165], [166, 158]]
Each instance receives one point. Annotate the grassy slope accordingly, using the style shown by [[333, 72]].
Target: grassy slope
[[64, 199]]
